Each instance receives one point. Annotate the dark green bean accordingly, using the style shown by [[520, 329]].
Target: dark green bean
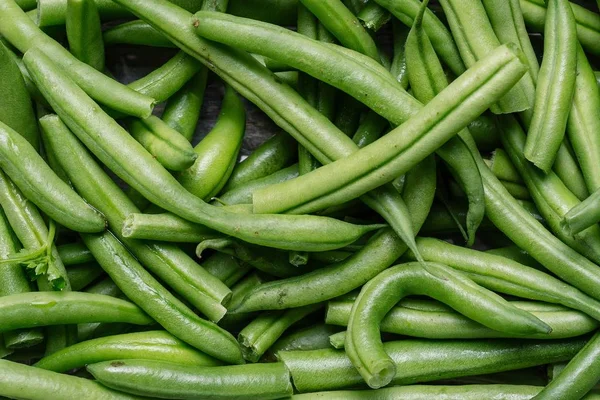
[[373, 16], [84, 32], [74, 253], [280, 12], [516, 254], [584, 215], [308, 338], [83, 274], [226, 268], [90, 330], [235, 322], [502, 167], [135, 33], [398, 68]]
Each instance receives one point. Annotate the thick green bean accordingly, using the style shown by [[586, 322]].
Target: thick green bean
[[363, 344], [173, 229], [115, 148], [74, 253], [567, 169], [135, 33], [169, 147], [555, 86], [502, 167], [406, 319], [170, 380], [352, 174], [139, 286], [579, 376], [153, 345], [22, 33], [426, 360], [43, 187], [182, 111], [84, 32], [16, 109], [27, 310], [260, 334], [83, 274], [218, 151], [22, 381], [168, 262]]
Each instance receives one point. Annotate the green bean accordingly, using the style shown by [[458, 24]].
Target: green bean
[[309, 338], [421, 360], [340, 278], [169, 147], [135, 33], [174, 229], [516, 254], [236, 321], [579, 376], [379, 295], [170, 380], [280, 12], [27, 310], [83, 274], [108, 288], [588, 22], [215, 5], [370, 129], [273, 155], [218, 151], [15, 108], [347, 117], [169, 312], [22, 33], [485, 132], [168, 262], [552, 198], [502, 167], [84, 32], [182, 111], [289, 78], [74, 253], [584, 215], [22, 381], [226, 268], [449, 219], [115, 148], [153, 345], [27, 5], [263, 332], [427, 79], [343, 25], [14, 280], [405, 320], [505, 68], [556, 85], [40, 184], [373, 16]]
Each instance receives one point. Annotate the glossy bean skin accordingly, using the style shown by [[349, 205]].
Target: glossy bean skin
[[578, 377], [410, 319], [83, 274], [226, 268], [135, 33], [139, 286], [169, 147], [169, 380], [84, 32], [422, 360], [153, 345], [501, 165], [18, 380], [218, 151], [16, 109], [340, 278], [373, 16], [26, 310], [74, 253], [168, 262], [173, 229], [309, 338], [20, 31], [182, 110], [43, 187], [90, 330], [584, 215], [555, 86], [235, 322], [378, 296]]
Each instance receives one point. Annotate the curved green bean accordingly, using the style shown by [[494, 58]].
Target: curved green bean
[[82, 275], [153, 345], [363, 344], [74, 253], [173, 229], [170, 380], [502, 167], [84, 32], [135, 33]]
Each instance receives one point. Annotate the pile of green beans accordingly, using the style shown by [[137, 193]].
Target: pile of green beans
[[415, 149]]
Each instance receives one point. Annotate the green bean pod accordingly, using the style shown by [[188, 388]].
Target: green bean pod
[[218, 151], [182, 111], [169, 147], [16, 109], [264, 330], [74, 253], [555, 88], [22, 381], [340, 278], [584, 215], [373, 16], [406, 319], [27, 310], [588, 22], [173, 229], [26, 5], [153, 345], [501, 165], [398, 68], [22, 33], [459, 103], [567, 169], [378, 296], [277, 152], [135, 33], [422, 360], [309, 338], [83, 274], [91, 330], [343, 25], [215, 5], [170, 380], [84, 32], [280, 12], [235, 322], [168, 262], [139, 286], [43, 187], [514, 253]]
